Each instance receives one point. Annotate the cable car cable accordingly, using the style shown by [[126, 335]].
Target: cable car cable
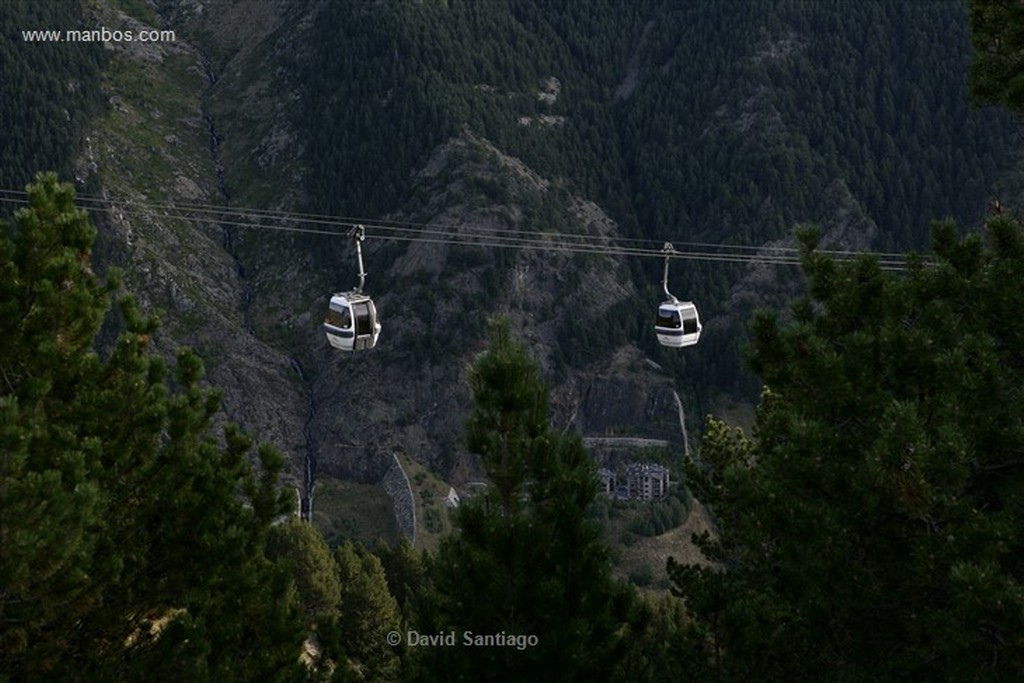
[[466, 237], [401, 225], [461, 231]]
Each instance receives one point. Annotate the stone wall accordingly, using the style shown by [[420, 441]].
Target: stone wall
[[396, 484]]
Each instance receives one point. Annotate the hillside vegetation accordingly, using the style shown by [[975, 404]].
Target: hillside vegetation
[[730, 123], [162, 316], [50, 91]]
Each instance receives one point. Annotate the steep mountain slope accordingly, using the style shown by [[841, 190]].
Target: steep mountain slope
[[435, 300], [158, 143], [724, 123]]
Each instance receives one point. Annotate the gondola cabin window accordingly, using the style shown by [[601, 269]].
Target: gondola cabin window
[[340, 319], [670, 318]]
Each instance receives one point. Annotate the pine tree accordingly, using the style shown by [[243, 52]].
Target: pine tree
[[525, 560], [872, 529], [997, 64], [131, 540], [49, 505], [368, 613], [305, 551], [405, 570], [652, 634]]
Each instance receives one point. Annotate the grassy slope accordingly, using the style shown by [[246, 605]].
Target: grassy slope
[[647, 556], [345, 510]]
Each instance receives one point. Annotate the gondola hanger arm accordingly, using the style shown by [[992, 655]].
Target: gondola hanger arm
[[358, 233], [668, 250]]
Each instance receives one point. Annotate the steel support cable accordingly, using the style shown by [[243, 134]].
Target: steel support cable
[[348, 223], [506, 242], [221, 211], [562, 242], [444, 237], [321, 219]]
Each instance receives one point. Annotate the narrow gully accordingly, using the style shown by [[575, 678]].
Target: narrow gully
[[227, 240], [306, 499]]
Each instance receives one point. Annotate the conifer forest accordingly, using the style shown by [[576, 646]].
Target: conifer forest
[[473, 340]]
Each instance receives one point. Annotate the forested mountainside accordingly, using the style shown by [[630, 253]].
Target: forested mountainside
[[681, 119], [221, 163], [684, 122], [679, 122], [727, 124], [49, 96]]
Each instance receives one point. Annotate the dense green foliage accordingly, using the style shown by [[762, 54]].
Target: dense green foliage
[[346, 600], [872, 95], [659, 516], [997, 64], [526, 561], [313, 569], [368, 613], [722, 122], [735, 121], [653, 632], [408, 76], [873, 529], [48, 90], [131, 540]]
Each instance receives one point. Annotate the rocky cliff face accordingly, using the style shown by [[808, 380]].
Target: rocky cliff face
[[220, 119], [202, 124], [411, 392], [165, 142], [627, 396], [241, 300]]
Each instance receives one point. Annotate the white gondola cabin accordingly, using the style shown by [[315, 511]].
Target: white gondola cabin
[[678, 324], [351, 322]]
